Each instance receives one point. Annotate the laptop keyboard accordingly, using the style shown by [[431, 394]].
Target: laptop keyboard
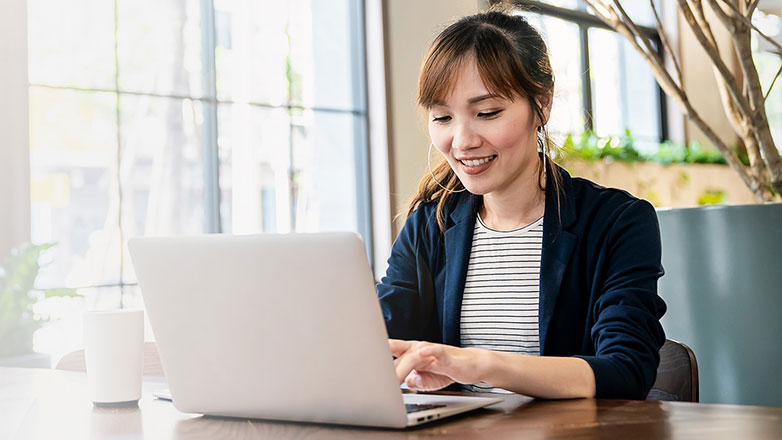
[[415, 407]]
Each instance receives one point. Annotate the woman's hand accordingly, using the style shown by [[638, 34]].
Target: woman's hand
[[425, 366]]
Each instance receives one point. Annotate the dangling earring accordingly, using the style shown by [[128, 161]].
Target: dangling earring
[[431, 173], [542, 143]]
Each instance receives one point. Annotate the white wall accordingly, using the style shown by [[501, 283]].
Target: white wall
[[14, 157], [411, 25]]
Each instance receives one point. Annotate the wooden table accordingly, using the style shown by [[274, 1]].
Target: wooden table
[[49, 404]]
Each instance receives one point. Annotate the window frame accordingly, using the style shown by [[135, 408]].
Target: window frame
[[585, 21], [210, 129]]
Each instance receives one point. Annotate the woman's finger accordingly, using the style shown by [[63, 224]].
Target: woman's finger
[[434, 350], [412, 360], [427, 381], [414, 381], [453, 362], [399, 347]]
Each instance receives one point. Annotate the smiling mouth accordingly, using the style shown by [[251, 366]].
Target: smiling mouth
[[478, 162]]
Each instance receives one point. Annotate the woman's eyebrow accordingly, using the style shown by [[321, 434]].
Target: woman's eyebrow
[[470, 101], [480, 98]]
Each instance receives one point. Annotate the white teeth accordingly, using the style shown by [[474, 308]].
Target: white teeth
[[477, 162]]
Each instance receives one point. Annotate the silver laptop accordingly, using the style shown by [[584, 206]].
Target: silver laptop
[[282, 327]]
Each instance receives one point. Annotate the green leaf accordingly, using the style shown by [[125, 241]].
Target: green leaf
[[712, 197], [18, 295], [61, 292], [589, 146]]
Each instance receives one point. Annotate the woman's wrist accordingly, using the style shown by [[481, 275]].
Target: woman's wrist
[[483, 363]]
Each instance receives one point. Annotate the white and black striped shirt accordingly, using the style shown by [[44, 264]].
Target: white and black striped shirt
[[501, 292]]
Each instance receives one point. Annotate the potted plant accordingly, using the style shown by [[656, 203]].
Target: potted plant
[[723, 283], [18, 295], [673, 175]]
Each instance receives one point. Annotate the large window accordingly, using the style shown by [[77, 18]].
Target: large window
[[183, 117], [602, 84]]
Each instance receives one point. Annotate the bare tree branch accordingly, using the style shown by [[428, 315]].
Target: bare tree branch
[[600, 9], [703, 24], [751, 5], [773, 81], [725, 78], [610, 17], [756, 160], [742, 43], [713, 52], [724, 16], [738, 119], [666, 43], [747, 21], [634, 29], [735, 116], [754, 128], [747, 130], [628, 29]]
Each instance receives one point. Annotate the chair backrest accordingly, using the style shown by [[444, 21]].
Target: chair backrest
[[74, 361], [677, 375]]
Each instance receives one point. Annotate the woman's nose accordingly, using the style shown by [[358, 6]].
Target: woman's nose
[[465, 138]]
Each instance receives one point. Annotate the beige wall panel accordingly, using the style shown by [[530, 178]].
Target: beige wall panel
[[700, 84], [14, 157], [666, 186], [411, 25]]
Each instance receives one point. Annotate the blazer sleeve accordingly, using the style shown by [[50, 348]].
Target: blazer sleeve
[[627, 333], [406, 292]]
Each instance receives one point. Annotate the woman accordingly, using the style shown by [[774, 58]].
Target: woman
[[510, 275]]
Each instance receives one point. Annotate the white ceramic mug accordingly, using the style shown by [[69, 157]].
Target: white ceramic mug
[[114, 356]]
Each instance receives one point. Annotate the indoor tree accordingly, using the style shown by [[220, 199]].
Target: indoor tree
[[741, 92]]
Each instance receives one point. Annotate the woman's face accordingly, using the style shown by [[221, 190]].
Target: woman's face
[[489, 141]]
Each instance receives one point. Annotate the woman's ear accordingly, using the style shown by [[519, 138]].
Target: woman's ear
[[544, 101]]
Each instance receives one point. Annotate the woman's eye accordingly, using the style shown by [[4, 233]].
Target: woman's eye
[[441, 119], [489, 114]]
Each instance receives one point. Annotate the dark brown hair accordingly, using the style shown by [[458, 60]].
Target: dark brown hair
[[513, 62]]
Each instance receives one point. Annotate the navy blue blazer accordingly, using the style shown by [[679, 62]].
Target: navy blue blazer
[[600, 263]]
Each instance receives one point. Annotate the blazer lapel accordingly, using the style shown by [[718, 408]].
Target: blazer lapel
[[458, 242], [558, 245]]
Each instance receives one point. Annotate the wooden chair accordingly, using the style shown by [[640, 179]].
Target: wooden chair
[[74, 361], [677, 375]]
